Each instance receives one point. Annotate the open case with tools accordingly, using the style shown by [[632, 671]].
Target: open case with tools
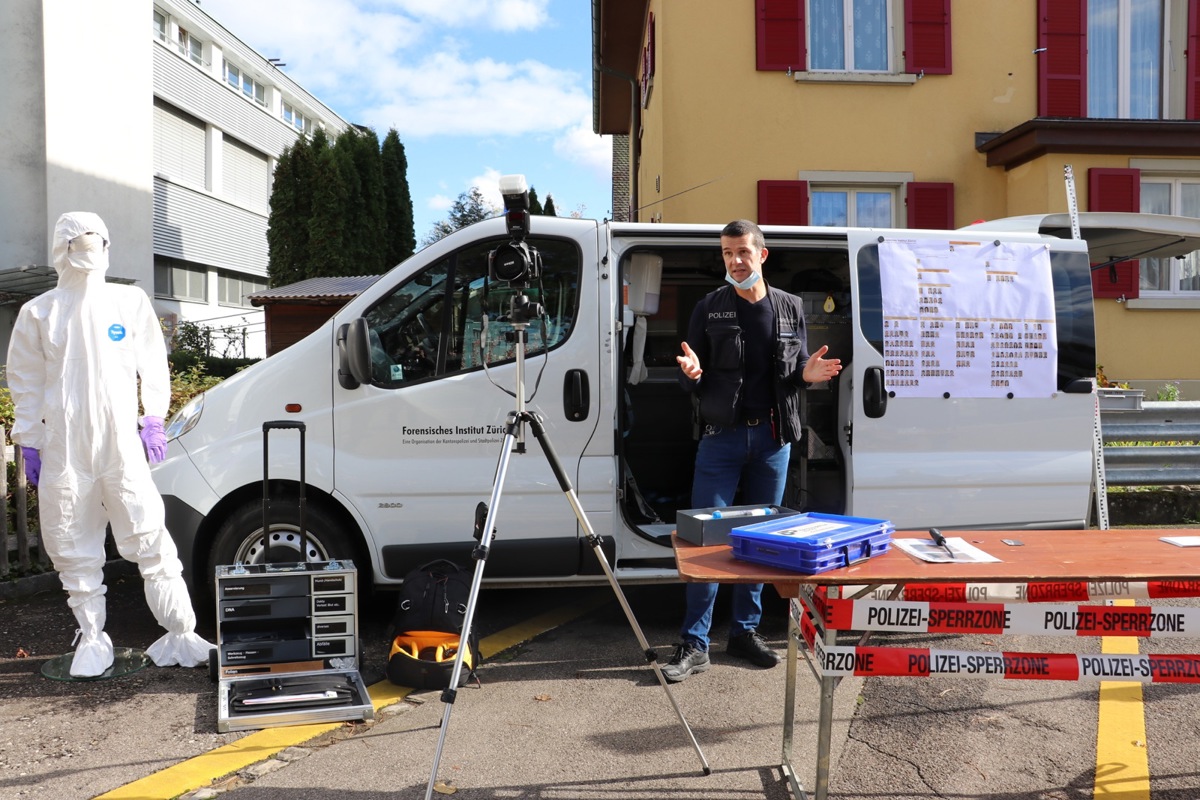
[[287, 637]]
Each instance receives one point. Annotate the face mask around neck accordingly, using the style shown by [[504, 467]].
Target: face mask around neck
[[754, 278]]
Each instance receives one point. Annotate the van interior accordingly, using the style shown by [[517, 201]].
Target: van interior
[[660, 425]]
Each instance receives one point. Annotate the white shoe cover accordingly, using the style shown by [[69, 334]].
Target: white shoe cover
[[93, 656], [95, 651], [185, 649], [168, 600]]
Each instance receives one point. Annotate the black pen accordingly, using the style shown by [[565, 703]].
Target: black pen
[[940, 540]]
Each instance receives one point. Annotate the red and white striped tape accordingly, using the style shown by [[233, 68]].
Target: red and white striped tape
[[1039, 592], [999, 618], [833, 661]]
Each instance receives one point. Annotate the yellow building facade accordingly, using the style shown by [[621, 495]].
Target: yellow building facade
[[896, 108]]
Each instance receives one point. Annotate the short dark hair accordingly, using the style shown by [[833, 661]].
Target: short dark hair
[[744, 227]]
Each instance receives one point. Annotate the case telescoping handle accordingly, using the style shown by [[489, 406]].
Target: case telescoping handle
[[281, 424]]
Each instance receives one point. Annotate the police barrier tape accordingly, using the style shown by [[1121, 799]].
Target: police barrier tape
[[998, 618], [832, 660], [1039, 592]]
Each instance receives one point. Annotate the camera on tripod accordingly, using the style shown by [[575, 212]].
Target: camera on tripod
[[517, 262]]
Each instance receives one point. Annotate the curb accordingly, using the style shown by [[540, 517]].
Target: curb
[[29, 585]]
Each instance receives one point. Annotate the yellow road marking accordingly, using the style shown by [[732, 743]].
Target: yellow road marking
[[203, 769], [1122, 763]]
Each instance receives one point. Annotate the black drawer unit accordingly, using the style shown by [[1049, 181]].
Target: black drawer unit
[[287, 645]]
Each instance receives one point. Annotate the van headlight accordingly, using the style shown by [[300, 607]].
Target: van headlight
[[185, 418]]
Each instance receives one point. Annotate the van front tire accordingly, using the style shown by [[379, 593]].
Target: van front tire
[[240, 538]]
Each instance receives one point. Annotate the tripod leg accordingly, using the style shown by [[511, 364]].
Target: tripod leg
[[480, 556], [564, 482]]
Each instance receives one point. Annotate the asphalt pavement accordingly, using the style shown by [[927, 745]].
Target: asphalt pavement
[[573, 711]]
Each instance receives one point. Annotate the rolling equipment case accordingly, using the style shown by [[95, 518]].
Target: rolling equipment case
[[287, 635]]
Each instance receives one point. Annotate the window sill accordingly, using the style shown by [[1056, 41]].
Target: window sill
[[1180, 303], [903, 78]]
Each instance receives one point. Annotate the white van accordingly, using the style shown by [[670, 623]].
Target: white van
[[397, 464]]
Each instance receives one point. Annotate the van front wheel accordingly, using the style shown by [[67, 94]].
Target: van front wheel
[[241, 540]]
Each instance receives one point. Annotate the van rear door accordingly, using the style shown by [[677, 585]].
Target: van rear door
[[958, 459]]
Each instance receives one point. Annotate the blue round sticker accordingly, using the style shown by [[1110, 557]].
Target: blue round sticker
[[116, 332]]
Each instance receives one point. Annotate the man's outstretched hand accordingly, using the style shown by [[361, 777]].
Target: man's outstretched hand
[[689, 362], [819, 369]]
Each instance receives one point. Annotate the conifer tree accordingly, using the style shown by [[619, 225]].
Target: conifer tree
[[327, 223], [469, 208], [535, 205], [549, 209], [401, 237]]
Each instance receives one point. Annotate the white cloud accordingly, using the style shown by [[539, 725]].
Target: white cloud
[[488, 185], [439, 202], [448, 95], [411, 64], [501, 15], [580, 145]]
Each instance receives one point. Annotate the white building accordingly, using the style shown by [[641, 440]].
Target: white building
[[183, 182]]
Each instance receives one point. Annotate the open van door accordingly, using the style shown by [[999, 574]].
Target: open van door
[[928, 445]]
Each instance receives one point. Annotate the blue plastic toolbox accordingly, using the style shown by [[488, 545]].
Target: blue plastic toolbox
[[812, 542]]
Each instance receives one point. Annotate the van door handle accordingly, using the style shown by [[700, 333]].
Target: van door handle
[[577, 395], [874, 396]]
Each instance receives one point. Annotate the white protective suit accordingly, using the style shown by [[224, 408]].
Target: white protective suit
[[74, 361]]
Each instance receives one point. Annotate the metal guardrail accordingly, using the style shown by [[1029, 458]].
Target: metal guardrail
[[1128, 464]]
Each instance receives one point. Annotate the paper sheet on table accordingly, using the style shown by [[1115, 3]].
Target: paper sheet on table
[[1182, 541], [926, 550]]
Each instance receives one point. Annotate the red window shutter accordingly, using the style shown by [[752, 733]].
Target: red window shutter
[[1062, 60], [927, 36], [931, 205], [779, 31], [783, 202], [1193, 60], [1115, 190]]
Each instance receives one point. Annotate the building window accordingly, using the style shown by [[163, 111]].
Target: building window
[[249, 87], [180, 280], [179, 142], [1124, 59], [849, 35], [246, 175], [293, 117], [854, 206], [232, 288], [1168, 276], [191, 47], [160, 26]]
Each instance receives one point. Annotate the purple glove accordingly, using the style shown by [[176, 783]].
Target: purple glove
[[154, 438], [33, 465]]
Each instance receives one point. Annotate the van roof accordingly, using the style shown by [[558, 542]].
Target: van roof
[[1112, 236]]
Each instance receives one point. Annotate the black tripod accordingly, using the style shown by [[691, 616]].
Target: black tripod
[[514, 439]]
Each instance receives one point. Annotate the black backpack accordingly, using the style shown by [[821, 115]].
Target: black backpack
[[433, 598]]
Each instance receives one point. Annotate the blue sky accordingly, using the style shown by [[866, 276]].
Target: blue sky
[[475, 88]]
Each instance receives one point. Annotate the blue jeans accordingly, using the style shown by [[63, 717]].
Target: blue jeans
[[726, 457]]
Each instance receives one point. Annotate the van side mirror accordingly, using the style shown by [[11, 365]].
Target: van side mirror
[[354, 354], [345, 379]]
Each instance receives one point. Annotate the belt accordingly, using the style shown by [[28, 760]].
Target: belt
[[753, 421]]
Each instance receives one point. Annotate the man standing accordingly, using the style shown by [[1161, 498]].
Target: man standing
[[74, 364], [748, 361]]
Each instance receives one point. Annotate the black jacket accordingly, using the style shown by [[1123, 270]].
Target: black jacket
[[716, 338]]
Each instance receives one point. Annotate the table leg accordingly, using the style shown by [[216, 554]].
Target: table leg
[[795, 608]]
